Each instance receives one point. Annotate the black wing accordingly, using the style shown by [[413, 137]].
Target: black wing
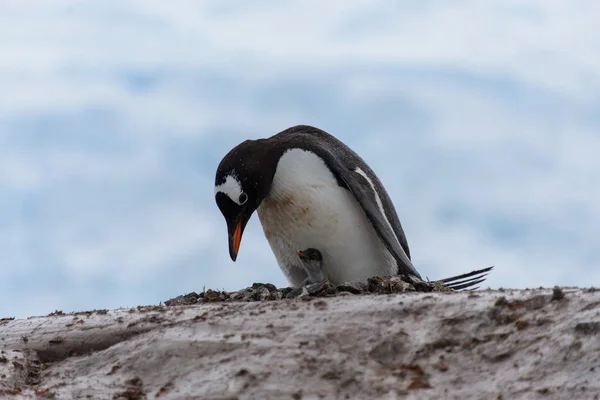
[[364, 193], [322, 143]]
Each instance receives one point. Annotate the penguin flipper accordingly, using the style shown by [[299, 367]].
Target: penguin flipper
[[358, 183]]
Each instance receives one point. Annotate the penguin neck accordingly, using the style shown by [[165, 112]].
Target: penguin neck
[[265, 156]]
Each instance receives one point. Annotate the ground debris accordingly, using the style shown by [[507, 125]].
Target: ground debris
[[588, 328], [133, 392], [344, 342], [557, 294], [268, 292], [56, 313]]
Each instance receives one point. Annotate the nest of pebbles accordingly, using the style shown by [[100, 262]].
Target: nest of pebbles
[[269, 292]]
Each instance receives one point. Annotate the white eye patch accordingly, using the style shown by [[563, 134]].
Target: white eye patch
[[233, 189]]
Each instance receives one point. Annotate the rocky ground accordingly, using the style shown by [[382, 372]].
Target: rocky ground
[[385, 340]]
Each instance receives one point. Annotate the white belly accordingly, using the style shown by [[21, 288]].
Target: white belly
[[306, 208]]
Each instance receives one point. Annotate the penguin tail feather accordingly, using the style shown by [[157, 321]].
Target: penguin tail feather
[[468, 280]]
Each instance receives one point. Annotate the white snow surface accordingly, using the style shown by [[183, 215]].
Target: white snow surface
[[412, 345]]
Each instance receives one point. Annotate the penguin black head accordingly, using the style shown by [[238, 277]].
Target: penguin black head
[[310, 254], [243, 180]]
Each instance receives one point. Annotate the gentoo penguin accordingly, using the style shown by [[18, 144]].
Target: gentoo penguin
[[311, 190], [312, 263]]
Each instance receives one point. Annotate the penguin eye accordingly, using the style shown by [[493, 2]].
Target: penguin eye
[[243, 198]]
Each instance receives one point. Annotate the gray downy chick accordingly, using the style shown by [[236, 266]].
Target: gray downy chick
[[312, 261]]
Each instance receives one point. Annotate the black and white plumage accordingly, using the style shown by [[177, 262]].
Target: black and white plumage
[[311, 190]]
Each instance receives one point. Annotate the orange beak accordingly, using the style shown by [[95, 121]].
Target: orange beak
[[235, 231], [237, 239]]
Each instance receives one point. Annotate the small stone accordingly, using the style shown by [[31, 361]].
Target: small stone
[[331, 292], [190, 298], [285, 291], [376, 284], [315, 288], [297, 293], [213, 296], [501, 302], [557, 294], [270, 287], [276, 295], [388, 285], [238, 296], [440, 287], [352, 287], [261, 294]]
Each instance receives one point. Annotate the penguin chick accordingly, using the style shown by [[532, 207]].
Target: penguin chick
[[312, 261]]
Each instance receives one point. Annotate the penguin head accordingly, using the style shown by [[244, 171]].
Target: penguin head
[[242, 181], [310, 254], [312, 260]]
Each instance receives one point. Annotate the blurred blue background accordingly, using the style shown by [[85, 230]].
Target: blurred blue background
[[482, 119]]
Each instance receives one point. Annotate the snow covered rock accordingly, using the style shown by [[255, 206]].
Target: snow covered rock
[[510, 344]]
